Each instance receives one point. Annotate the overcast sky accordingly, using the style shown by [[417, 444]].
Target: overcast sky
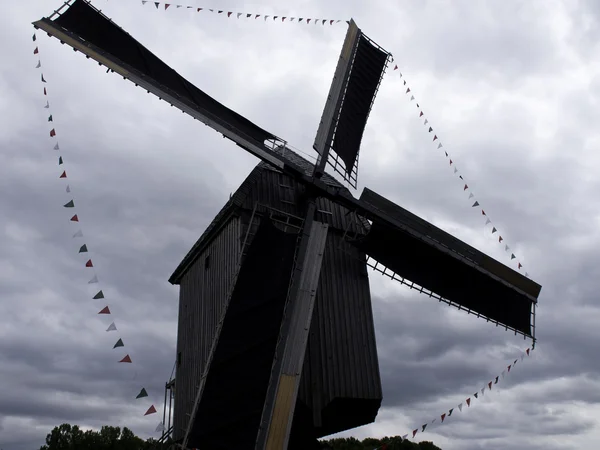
[[512, 90]]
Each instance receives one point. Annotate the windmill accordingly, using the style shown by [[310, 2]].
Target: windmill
[[274, 298]]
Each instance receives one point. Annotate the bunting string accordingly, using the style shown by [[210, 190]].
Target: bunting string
[[83, 248], [476, 206], [245, 15], [468, 402]]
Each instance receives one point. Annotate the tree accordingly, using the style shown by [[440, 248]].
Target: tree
[[71, 437], [385, 443]]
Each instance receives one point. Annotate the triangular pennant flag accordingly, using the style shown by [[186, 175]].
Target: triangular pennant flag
[[99, 295], [412, 97], [440, 146], [69, 204], [248, 15], [52, 132], [404, 82], [159, 428], [476, 395], [47, 105], [460, 407], [39, 64], [455, 170], [421, 113], [460, 176], [68, 189], [443, 416], [490, 385], [36, 51], [78, 234], [75, 218], [156, 4], [512, 256], [404, 437], [300, 19], [50, 118], [167, 5], [522, 357], [475, 204], [34, 38], [468, 402], [450, 412], [63, 175], [509, 368], [426, 122], [142, 393], [83, 249], [496, 382], [471, 195], [435, 138], [395, 67], [500, 239], [308, 20], [487, 221], [451, 162], [104, 310], [506, 248], [494, 230], [415, 432], [56, 147], [482, 391], [46, 93], [112, 327], [89, 263], [126, 359], [483, 212], [93, 280], [527, 351], [238, 15], [465, 188], [324, 22], [331, 23], [407, 90], [527, 274], [228, 15], [151, 410], [520, 265], [515, 362], [144, 2], [430, 129], [43, 81], [503, 373], [60, 161], [423, 428], [120, 344], [257, 16]]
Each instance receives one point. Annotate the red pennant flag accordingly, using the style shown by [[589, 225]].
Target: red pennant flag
[[229, 14], [151, 410], [415, 432], [443, 417], [75, 218], [483, 212], [407, 90], [331, 23], [105, 310], [520, 265], [527, 351], [421, 115], [500, 239], [469, 401], [450, 162], [45, 91], [89, 263], [167, 5], [490, 385], [509, 368], [52, 132], [308, 20], [257, 16], [435, 138], [466, 187], [126, 359], [396, 67], [36, 51], [64, 174]]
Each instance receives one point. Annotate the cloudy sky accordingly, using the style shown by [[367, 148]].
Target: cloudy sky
[[511, 88]]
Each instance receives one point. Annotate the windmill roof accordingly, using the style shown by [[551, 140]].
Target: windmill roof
[[237, 199]]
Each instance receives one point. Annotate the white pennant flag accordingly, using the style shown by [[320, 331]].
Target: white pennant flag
[[47, 105], [488, 221], [440, 145], [266, 17], [506, 248], [412, 97], [144, 2], [179, 6], [460, 407], [93, 280], [426, 122], [39, 64], [482, 392], [503, 373], [405, 436], [160, 428], [455, 170], [471, 195], [56, 147], [238, 15], [522, 356], [78, 234], [112, 327], [68, 188]]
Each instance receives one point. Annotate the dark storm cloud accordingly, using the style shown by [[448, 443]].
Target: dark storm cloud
[[512, 96]]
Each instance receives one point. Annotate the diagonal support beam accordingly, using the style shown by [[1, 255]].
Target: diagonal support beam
[[279, 406]]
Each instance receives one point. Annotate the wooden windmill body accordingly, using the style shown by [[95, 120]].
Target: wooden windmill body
[[276, 343]]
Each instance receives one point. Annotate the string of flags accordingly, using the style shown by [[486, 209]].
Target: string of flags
[[468, 402], [245, 15], [473, 201], [83, 248]]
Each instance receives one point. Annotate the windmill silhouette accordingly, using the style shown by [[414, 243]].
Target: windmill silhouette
[[276, 342]]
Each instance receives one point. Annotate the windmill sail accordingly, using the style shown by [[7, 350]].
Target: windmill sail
[[357, 77], [435, 260], [88, 30]]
